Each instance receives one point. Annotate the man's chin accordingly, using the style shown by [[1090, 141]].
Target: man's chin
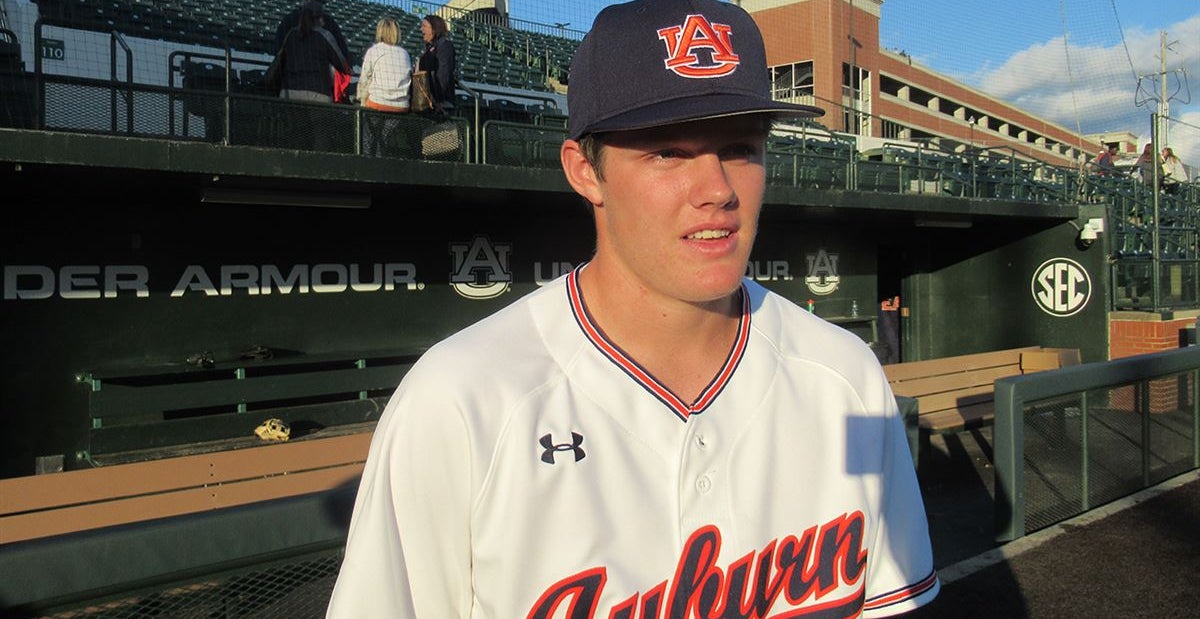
[[717, 286]]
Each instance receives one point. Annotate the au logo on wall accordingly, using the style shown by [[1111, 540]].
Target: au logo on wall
[[480, 268], [1061, 287], [822, 278]]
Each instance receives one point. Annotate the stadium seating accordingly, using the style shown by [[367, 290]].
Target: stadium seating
[[488, 53]]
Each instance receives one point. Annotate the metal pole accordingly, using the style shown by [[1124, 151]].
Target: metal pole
[[358, 121], [1163, 106], [1144, 402], [1085, 479], [1156, 260], [40, 97], [1196, 418], [112, 61], [227, 126], [1008, 436]]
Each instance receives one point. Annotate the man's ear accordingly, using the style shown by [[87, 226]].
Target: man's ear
[[580, 173]]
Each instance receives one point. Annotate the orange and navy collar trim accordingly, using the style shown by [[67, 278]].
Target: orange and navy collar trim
[[622, 360]]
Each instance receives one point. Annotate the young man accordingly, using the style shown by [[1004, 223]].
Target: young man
[[652, 435]]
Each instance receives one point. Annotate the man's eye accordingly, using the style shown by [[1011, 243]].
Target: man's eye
[[667, 153], [740, 151]]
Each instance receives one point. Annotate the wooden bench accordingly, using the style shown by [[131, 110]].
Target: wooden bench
[[956, 393], [40, 506]]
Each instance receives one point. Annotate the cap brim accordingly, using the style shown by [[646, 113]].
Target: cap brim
[[697, 108]]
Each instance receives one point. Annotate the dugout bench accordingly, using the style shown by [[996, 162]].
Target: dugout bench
[[68, 502], [179, 438], [209, 404], [957, 393]]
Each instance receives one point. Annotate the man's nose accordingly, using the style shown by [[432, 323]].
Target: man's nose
[[711, 186]]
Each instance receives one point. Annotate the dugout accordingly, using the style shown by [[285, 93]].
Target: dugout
[[178, 259]]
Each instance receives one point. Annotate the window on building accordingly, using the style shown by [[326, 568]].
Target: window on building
[[793, 82], [890, 85], [893, 130], [853, 78], [856, 85]]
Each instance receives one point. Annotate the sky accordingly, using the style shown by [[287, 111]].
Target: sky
[[1074, 62], [1066, 60]]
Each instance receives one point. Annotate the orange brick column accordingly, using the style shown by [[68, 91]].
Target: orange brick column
[[1139, 333], [1149, 332]]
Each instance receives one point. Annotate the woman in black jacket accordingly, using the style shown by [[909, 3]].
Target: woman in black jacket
[[309, 50], [438, 60]]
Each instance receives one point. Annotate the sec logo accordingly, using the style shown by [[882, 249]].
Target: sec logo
[[1061, 287]]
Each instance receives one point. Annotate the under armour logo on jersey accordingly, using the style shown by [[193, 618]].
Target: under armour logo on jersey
[[696, 34], [552, 447]]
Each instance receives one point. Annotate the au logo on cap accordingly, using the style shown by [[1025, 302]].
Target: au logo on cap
[[697, 33]]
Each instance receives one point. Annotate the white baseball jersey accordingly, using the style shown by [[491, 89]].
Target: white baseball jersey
[[526, 468]]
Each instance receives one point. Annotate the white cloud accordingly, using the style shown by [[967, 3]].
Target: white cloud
[[1096, 88], [1185, 138]]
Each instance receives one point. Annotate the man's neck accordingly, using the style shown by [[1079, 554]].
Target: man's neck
[[682, 344]]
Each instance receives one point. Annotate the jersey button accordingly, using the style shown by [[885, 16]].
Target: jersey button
[[704, 484], [701, 441]]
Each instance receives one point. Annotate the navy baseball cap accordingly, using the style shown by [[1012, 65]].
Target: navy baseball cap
[[658, 62]]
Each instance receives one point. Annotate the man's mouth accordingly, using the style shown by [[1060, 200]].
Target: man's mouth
[[708, 235]]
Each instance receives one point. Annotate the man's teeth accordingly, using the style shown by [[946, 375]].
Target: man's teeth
[[709, 234]]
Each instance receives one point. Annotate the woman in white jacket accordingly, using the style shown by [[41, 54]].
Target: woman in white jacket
[[383, 87], [1173, 171]]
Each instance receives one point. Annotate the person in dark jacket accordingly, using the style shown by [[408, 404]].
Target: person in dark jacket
[[438, 59], [309, 52], [310, 55], [291, 20]]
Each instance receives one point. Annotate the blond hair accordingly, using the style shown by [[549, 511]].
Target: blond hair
[[387, 31]]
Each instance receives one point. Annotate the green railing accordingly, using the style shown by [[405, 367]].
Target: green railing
[[1139, 220], [1069, 440]]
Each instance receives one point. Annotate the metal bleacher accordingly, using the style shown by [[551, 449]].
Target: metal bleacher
[[506, 74], [510, 57], [489, 53]]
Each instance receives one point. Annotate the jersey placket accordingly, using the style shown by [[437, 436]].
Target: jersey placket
[[701, 480]]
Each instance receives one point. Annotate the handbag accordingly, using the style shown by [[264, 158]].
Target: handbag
[[421, 94], [441, 140], [341, 86]]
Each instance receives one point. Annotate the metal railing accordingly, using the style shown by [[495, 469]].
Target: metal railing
[[1139, 220], [1069, 440], [208, 109]]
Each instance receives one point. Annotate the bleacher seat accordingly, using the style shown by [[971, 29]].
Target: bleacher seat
[[507, 110], [253, 81]]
